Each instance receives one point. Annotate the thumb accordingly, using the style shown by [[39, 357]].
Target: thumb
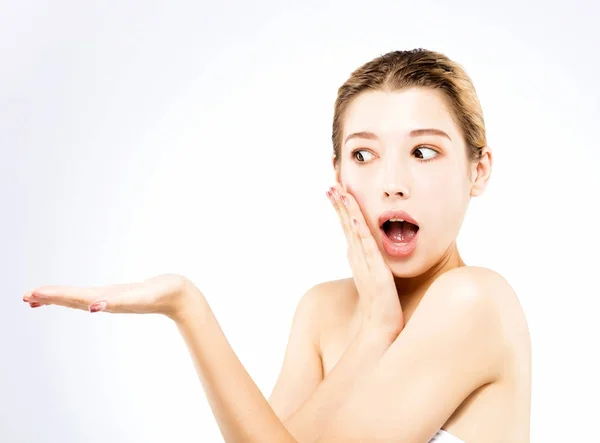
[[98, 306]]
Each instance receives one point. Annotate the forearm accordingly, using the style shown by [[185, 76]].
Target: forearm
[[310, 421], [242, 412]]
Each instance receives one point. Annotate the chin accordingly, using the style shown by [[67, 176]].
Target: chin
[[407, 268], [422, 261]]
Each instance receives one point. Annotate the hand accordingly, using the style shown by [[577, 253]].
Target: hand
[[165, 294], [372, 276]]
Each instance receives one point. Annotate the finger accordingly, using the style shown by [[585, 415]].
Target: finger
[[340, 202], [124, 298], [67, 296], [119, 298], [75, 297], [356, 255], [335, 198], [32, 303], [129, 298], [369, 246], [153, 295]]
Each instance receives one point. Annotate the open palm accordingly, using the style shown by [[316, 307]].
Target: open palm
[[161, 294]]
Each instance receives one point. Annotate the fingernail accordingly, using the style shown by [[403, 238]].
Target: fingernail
[[38, 295], [35, 304], [98, 306], [345, 200], [355, 222]]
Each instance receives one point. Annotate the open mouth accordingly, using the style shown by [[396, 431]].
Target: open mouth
[[399, 230]]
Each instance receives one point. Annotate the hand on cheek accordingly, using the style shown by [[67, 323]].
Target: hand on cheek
[[351, 190], [372, 276]]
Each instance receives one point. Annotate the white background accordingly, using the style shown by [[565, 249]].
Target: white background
[[146, 137]]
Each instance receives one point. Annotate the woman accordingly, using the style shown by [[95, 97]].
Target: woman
[[416, 346]]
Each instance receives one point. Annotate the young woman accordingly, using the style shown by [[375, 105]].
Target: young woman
[[416, 346]]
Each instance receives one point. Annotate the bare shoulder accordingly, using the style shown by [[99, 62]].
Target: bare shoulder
[[333, 309], [332, 301], [483, 296], [476, 286], [335, 292], [473, 282], [488, 321]]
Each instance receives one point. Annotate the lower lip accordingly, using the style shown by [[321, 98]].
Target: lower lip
[[399, 250]]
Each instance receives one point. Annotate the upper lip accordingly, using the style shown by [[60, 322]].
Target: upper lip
[[387, 215]]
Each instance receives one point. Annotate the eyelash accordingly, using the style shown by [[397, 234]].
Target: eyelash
[[418, 147], [429, 159]]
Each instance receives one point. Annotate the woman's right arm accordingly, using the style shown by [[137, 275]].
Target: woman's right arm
[[382, 322], [301, 398], [301, 371]]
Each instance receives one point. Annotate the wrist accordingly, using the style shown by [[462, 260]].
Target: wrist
[[188, 303], [377, 334], [382, 325]]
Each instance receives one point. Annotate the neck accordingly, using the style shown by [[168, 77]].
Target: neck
[[411, 289]]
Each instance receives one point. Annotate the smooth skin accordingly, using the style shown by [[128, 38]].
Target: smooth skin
[[463, 358], [398, 351]]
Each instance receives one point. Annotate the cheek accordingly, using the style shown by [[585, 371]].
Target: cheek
[[442, 184], [449, 192], [363, 192], [359, 192], [363, 197], [360, 185]]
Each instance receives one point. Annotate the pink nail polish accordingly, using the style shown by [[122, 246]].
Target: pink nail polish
[[98, 306], [345, 200]]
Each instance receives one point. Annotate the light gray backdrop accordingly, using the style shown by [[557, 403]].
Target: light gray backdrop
[[147, 137]]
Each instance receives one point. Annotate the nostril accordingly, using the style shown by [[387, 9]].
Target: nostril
[[395, 190]]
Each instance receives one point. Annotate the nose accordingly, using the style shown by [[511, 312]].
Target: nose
[[395, 190], [396, 176]]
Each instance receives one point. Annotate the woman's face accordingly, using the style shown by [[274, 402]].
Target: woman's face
[[402, 151]]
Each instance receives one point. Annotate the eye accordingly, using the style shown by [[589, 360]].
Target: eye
[[362, 155], [424, 153]]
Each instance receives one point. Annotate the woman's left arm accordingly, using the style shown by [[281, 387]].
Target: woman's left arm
[[449, 348], [242, 412]]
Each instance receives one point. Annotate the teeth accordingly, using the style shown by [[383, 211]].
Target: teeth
[[396, 220]]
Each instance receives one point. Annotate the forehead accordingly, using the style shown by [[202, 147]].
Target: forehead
[[395, 114]]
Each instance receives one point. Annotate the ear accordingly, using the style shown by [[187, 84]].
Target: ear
[[336, 170], [480, 172]]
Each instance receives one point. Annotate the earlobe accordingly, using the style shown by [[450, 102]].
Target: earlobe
[[475, 181], [476, 190], [336, 170], [481, 173]]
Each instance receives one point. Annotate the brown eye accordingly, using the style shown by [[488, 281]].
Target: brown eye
[[425, 153], [361, 155]]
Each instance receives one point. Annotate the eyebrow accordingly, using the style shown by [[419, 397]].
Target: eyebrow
[[414, 133]]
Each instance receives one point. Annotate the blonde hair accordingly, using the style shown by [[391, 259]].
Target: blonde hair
[[399, 70]]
